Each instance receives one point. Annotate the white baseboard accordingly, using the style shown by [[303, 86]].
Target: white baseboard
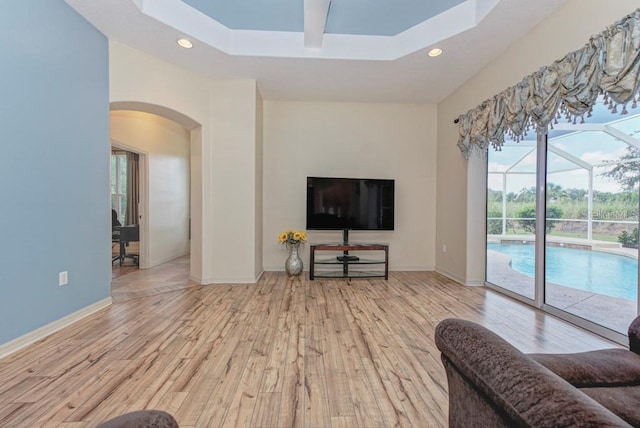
[[154, 263], [412, 269], [205, 281], [456, 278], [212, 281], [450, 275], [247, 280], [44, 331]]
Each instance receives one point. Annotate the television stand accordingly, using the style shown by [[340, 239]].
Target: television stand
[[347, 265], [349, 258]]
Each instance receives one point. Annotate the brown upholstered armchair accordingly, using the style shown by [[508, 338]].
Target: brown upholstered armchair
[[492, 384], [142, 419]]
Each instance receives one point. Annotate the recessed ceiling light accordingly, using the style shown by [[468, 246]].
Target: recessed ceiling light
[[185, 43], [435, 52]]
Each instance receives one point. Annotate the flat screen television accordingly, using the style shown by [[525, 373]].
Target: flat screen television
[[350, 204]]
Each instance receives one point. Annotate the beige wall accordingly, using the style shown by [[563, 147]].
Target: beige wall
[[166, 146], [245, 191], [259, 173], [461, 184], [396, 141], [197, 248], [233, 184], [221, 116]]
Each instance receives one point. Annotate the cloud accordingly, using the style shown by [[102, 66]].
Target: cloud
[[600, 156], [497, 167]]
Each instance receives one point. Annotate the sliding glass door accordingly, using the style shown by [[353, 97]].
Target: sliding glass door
[[591, 264], [583, 234], [511, 217]]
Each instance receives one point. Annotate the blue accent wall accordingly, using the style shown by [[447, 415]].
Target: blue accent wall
[[54, 164]]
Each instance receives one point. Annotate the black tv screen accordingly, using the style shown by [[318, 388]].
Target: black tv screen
[[350, 203]]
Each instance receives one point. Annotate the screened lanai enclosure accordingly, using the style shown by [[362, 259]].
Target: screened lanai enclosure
[[590, 181], [563, 169]]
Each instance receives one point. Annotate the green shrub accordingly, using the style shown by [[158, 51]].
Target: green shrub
[[494, 220], [629, 240], [494, 227], [528, 214]]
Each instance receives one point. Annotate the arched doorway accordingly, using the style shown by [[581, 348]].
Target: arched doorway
[[135, 125]]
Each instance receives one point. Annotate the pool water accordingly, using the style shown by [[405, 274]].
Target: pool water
[[593, 271]]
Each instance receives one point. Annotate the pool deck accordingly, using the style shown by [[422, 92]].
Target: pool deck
[[611, 312], [561, 241]]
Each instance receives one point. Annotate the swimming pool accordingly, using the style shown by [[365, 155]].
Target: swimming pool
[[601, 273]]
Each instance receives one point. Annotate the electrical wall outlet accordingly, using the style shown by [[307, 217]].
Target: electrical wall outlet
[[63, 278], [444, 248]]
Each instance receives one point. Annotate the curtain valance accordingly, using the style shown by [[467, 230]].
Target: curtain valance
[[608, 64]]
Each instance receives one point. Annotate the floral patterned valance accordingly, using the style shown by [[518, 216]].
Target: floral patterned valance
[[608, 64]]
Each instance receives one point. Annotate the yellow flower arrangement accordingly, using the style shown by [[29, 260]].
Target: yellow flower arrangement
[[292, 238]]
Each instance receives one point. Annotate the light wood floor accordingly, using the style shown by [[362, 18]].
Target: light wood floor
[[280, 353], [128, 282], [117, 271]]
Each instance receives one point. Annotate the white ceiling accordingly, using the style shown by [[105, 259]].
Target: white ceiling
[[352, 66]]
